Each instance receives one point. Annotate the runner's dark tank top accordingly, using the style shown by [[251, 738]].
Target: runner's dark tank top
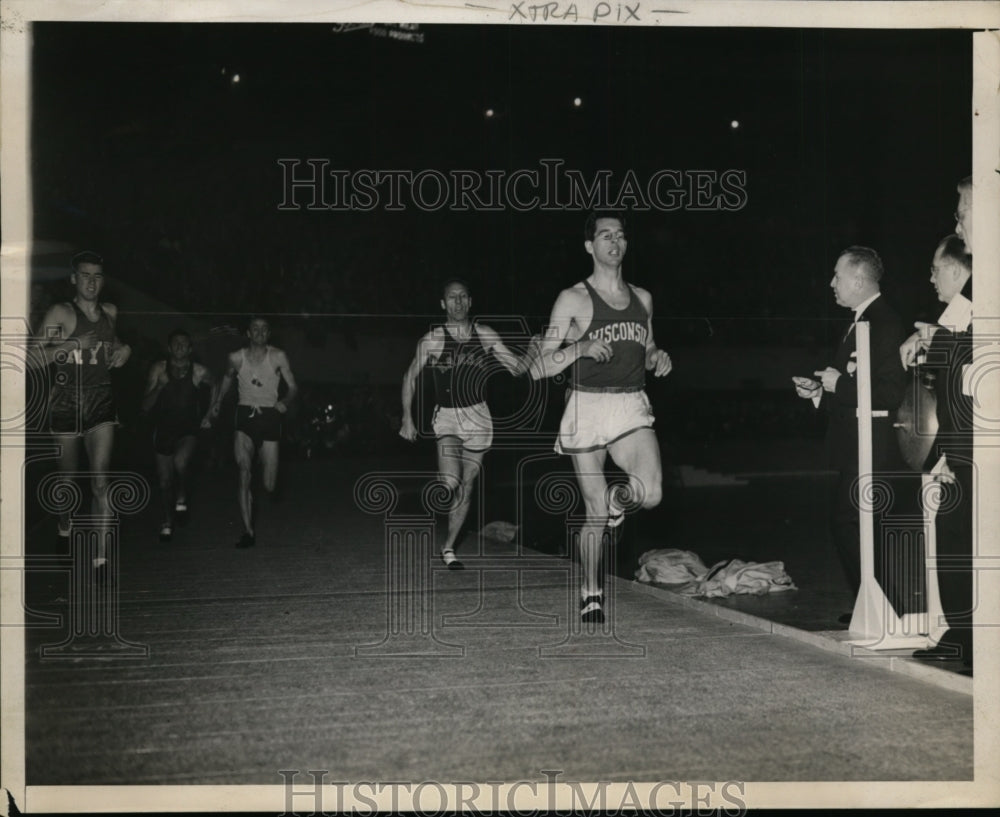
[[177, 404], [460, 371], [626, 330], [88, 367]]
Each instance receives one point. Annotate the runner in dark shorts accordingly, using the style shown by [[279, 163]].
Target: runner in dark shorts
[[79, 410], [259, 424], [78, 340], [258, 370], [172, 399]]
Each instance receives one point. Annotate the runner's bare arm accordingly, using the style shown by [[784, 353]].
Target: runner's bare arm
[[155, 382], [286, 373], [428, 348], [491, 343], [202, 375], [657, 360], [551, 358], [51, 339], [120, 351], [227, 382]]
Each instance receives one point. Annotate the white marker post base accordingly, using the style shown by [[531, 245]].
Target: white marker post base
[[878, 626], [874, 621], [937, 624]]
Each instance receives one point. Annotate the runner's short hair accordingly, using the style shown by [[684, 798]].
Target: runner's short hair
[[86, 257], [450, 281], [590, 226]]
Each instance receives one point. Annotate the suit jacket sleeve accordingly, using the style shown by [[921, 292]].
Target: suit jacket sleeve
[[888, 376], [947, 356]]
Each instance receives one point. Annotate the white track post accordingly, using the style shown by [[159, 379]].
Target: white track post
[[929, 495], [873, 618]]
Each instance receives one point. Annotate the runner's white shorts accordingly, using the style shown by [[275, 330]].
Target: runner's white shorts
[[594, 420], [473, 425]]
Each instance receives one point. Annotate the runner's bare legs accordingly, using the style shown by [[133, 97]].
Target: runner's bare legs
[[589, 468], [243, 450], [458, 468]]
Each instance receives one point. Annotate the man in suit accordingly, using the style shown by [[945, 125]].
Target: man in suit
[[948, 350], [856, 286]]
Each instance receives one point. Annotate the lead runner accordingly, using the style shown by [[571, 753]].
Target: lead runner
[[602, 327]]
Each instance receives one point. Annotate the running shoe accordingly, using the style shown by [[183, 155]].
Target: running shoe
[[449, 558], [616, 514], [591, 610], [99, 573]]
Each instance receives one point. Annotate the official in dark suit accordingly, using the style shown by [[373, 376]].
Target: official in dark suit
[[947, 348], [856, 286]]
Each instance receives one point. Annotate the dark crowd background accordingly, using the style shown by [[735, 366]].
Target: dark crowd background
[[145, 148]]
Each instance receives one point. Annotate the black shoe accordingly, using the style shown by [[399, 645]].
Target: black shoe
[[954, 645], [940, 652], [166, 532], [181, 514], [246, 541], [591, 610]]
